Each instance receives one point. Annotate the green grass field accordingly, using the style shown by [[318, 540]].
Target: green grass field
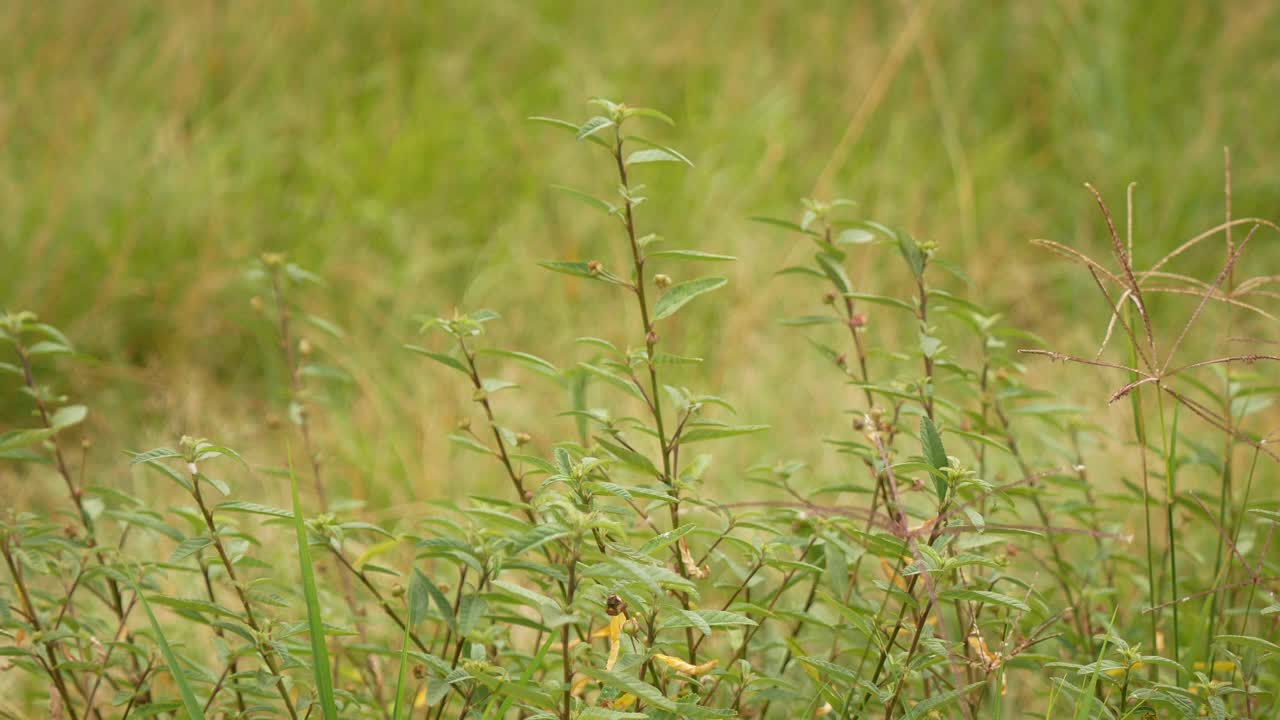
[[151, 153]]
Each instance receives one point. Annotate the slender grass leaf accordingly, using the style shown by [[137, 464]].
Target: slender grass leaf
[[193, 707], [315, 624]]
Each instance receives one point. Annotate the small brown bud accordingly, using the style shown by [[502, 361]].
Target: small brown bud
[[858, 320], [651, 339], [829, 298], [595, 267], [842, 360], [397, 590], [523, 438], [464, 424], [419, 671], [273, 421], [528, 496], [614, 605], [859, 422], [662, 281]]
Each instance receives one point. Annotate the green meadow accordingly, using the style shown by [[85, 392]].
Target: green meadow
[[162, 164]]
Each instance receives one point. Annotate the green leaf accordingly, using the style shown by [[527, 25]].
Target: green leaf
[[419, 597], [591, 200], [656, 155], [704, 620], [715, 432], [649, 113], [68, 416], [628, 684], [24, 438], [785, 224], [628, 457], [189, 547], [194, 709], [252, 508], [929, 704], [834, 272], [911, 253], [532, 361], [985, 596], [593, 126], [566, 125], [935, 453], [882, 300], [690, 255], [315, 624], [470, 611], [470, 443], [1249, 641], [441, 358], [681, 293]]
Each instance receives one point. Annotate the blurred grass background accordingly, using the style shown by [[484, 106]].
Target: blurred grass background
[[149, 150]]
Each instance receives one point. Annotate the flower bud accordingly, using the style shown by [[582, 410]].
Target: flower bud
[[858, 320], [595, 267], [523, 438], [829, 298], [304, 347], [662, 281], [464, 424]]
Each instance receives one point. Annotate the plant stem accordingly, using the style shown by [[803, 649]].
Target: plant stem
[[250, 619]]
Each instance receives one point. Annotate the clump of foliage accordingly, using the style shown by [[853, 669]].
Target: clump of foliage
[[967, 562]]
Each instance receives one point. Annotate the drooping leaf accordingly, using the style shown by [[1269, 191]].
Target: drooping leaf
[[441, 358], [681, 293], [716, 432]]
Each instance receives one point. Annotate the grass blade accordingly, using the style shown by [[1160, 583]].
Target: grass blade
[[315, 627], [194, 709], [404, 673]]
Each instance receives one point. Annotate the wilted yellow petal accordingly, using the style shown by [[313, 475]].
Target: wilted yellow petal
[[421, 700], [979, 646], [891, 574], [615, 643], [1113, 672], [687, 668], [579, 685], [690, 565], [1220, 666]]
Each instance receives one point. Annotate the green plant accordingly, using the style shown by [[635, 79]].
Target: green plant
[[967, 560]]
